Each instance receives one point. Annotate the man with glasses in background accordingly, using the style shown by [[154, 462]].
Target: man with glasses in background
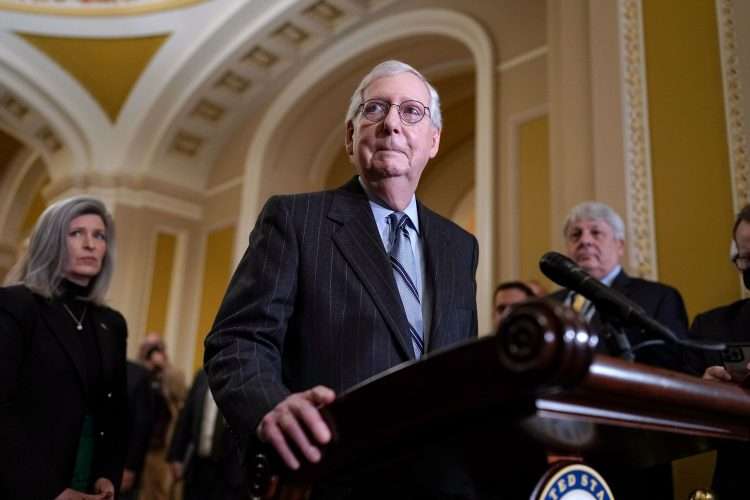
[[730, 323], [340, 285]]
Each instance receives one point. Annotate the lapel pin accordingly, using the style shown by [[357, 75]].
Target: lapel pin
[[103, 326]]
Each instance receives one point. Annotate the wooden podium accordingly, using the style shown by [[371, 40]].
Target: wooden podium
[[517, 401]]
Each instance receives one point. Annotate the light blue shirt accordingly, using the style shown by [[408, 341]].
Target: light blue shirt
[[380, 211], [609, 278]]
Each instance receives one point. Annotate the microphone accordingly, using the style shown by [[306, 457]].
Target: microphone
[[609, 302]]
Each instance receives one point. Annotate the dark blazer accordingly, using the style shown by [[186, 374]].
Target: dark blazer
[[140, 416], [42, 400], [313, 301], [224, 459], [661, 302], [729, 323]]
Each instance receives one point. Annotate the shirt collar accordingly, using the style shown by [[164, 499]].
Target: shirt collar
[[381, 211], [610, 277]]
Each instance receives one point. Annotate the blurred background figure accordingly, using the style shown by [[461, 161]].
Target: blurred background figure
[[62, 361], [727, 323], [507, 294], [538, 289], [203, 452], [168, 391], [140, 428]]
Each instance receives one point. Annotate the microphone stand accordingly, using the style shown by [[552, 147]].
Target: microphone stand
[[617, 340]]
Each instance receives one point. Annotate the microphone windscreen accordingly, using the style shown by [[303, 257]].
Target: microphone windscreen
[[559, 269]]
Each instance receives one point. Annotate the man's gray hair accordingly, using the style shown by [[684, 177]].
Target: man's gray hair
[[593, 210], [42, 267], [391, 68]]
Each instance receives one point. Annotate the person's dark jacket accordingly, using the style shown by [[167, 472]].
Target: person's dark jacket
[[730, 323], [43, 399], [224, 458], [314, 301], [660, 302], [140, 417]]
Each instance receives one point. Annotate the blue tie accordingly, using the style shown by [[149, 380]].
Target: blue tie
[[404, 271]]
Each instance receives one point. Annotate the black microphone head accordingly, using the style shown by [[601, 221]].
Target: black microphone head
[[560, 269]]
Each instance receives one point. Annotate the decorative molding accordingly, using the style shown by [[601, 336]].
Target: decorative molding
[[523, 59], [28, 125], [639, 190], [224, 187], [737, 132], [510, 182], [89, 8], [139, 198]]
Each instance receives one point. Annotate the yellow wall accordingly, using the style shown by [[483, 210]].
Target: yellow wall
[[533, 197], [692, 188], [161, 280], [217, 269]]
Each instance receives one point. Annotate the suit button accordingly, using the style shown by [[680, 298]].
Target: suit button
[[101, 434], [109, 395]]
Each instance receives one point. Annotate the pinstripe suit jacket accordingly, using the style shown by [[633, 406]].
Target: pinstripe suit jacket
[[313, 301]]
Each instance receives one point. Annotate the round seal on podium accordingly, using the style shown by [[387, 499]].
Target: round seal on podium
[[572, 481]]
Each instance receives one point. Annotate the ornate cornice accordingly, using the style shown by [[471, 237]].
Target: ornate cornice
[[639, 191], [130, 191], [733, 102], [88, 8]]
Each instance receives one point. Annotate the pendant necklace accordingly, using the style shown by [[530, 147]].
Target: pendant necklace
[[78, 322]]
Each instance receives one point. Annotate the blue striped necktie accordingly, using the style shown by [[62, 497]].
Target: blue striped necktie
[[404, 271]]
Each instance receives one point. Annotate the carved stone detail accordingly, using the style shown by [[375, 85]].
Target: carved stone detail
[[639, 191], [733, 104]]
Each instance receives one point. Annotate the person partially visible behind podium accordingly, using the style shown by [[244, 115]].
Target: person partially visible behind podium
[[595, 239], [341, 285], [201, 453], [729, 323], [508, 294]]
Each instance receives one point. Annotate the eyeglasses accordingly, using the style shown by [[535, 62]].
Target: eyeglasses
[[410, 112], [741, 261]]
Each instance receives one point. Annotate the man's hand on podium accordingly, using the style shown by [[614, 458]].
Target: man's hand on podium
[[292, 422], [717, 373]]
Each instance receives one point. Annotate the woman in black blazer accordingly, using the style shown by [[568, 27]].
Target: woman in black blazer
[[62, 362]]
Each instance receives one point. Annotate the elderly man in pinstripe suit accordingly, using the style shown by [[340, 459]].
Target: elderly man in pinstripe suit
[[323, 300]]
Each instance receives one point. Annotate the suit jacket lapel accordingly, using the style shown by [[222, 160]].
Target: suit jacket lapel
[[358, 241], [621, 284], [55, 317], [437, 272]]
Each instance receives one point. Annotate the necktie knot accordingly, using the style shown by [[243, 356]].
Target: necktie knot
[[399, 222]]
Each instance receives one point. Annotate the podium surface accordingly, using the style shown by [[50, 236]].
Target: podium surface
[[507, 403]]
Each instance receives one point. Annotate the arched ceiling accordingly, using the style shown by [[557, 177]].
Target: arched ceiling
[[155, 89]]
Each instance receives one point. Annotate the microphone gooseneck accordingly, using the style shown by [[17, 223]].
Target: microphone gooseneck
[[608, 301]]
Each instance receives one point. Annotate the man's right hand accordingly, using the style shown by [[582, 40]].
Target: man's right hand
[[718, 373], [293, 420]]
